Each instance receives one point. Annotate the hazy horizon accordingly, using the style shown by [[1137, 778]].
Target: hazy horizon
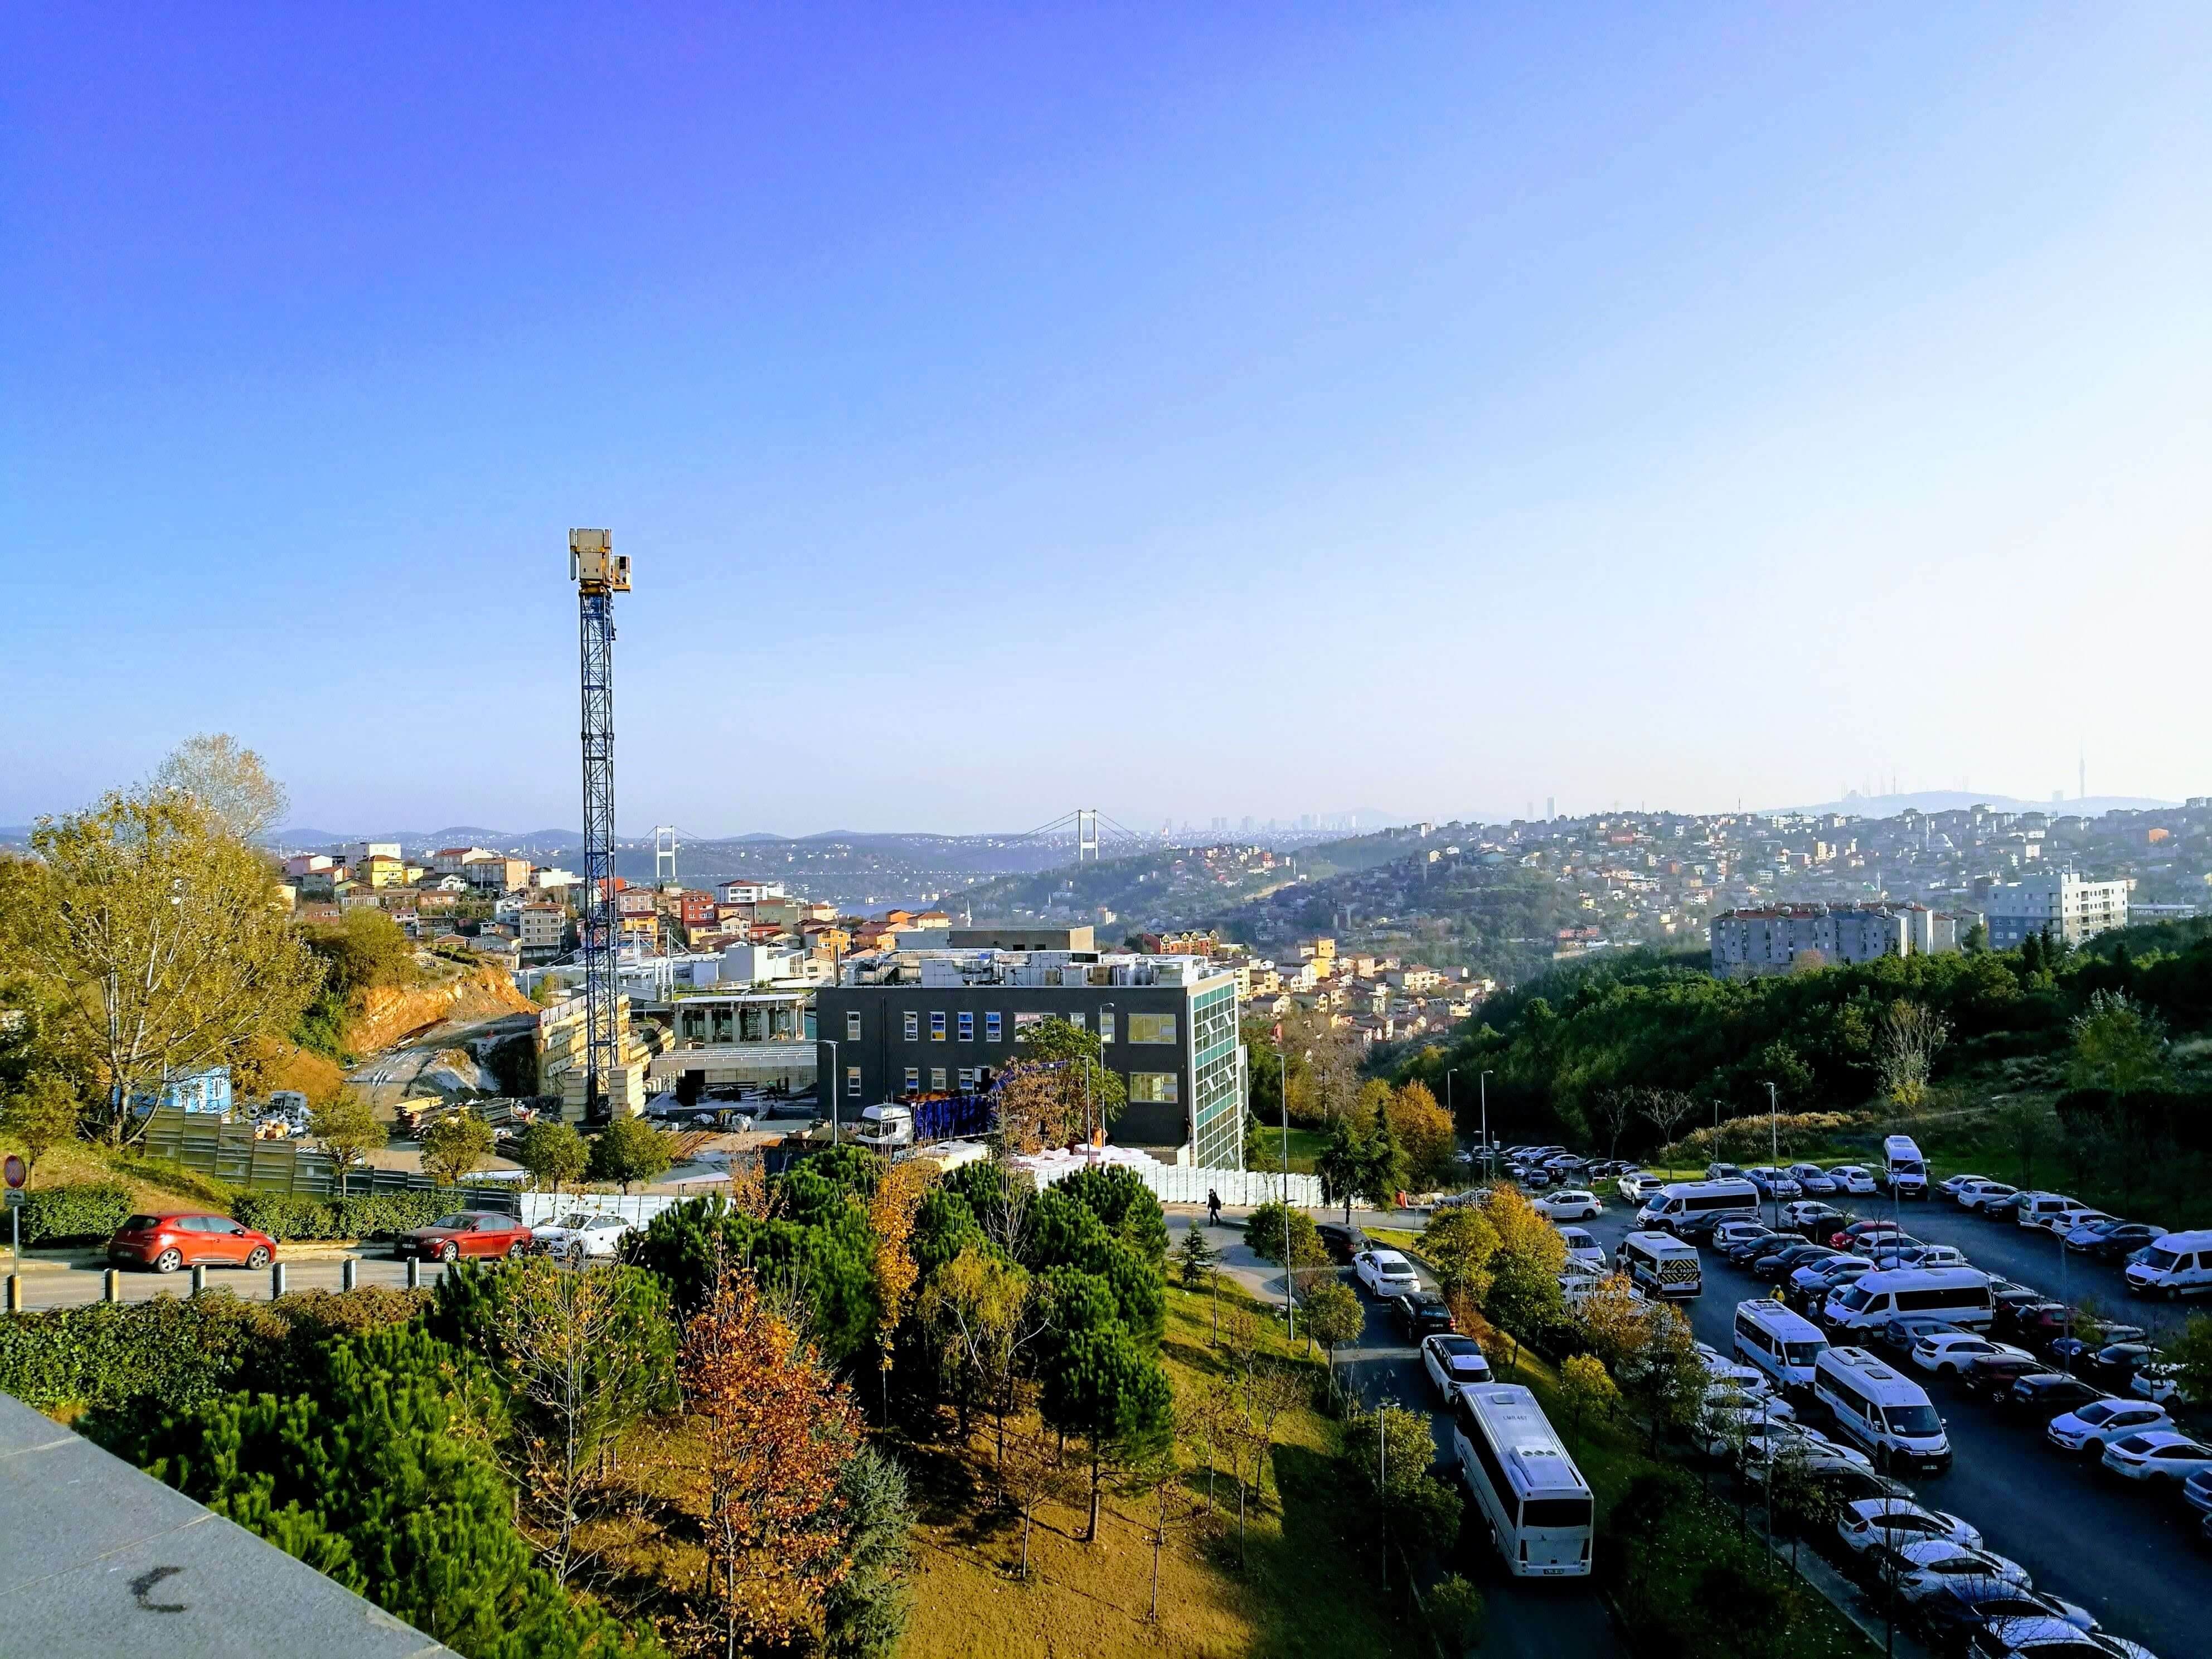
[[1227, 410]]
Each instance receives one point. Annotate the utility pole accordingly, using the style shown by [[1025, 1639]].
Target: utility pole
[[1485, 1086], [1283, 1103], [599, 574], [1774, 1152]]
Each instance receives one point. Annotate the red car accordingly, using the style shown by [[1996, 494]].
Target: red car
[[464, 1232], [1845, 1239], [188, 1238]]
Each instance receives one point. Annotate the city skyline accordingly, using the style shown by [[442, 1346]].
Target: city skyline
[[1183, 407]]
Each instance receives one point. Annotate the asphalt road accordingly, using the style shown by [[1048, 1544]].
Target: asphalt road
[[2130, 1557], [47, 1284], [1521, 1616]]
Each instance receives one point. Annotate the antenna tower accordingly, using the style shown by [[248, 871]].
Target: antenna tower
[[599, 574]]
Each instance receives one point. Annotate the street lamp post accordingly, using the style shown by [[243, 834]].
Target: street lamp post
[[1485, 1085], [1774, 1153], [1283, 1109]]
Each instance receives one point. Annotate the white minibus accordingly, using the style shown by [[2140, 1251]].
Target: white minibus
[[2179, 1264], [1695, 1207], [1903, 1168], [1528, 1490], [1886, 1413], [1960, 1295], [1660, 1265], [1782, 1344]]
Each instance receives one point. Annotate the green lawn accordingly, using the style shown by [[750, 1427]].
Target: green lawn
[[1305, 1146]]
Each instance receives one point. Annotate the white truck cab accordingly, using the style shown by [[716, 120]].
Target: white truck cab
[[884, 1126]]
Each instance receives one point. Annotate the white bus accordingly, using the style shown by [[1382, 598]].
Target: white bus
[[1695, 1207], [1535, 1500], [1888, 1415], [1960, 1295], [1658, 1264], [1779, 1342]]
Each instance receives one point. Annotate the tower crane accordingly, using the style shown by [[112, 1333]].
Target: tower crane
[[599, 574]]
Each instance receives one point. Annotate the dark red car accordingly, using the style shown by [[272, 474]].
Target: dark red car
[[189, 1239], [1847, 1236], [465, 1233]]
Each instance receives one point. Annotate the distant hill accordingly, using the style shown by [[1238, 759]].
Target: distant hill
[[1957, 800]]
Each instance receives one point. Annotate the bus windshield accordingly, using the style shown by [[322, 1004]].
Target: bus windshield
[[1803, 1353], [1852, 1297], [1555, 1512], [1913, 1420]]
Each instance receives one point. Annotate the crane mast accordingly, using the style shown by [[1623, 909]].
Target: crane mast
[[599, 574]]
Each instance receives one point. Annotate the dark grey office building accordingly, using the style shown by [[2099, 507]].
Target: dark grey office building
[[1167, 1027]]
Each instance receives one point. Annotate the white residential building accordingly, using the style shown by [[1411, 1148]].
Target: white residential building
[[2066, 905]]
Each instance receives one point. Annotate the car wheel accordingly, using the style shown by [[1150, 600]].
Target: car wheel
[[169, 1260], [449, 1251], [257, 1257], [515, 1249]]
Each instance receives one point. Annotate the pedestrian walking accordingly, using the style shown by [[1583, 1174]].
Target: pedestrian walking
[[1212, 1208]]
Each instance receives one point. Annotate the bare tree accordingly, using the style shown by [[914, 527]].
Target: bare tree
[[1665, 1110], [1611, 1110], [1905, 1044]]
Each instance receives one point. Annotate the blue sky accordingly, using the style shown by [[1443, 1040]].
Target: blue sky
[[1187, 411]]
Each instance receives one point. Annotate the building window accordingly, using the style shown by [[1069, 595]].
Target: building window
[[1078, 1020], [967, 1079], [992, 1030], [1151, 1027], [912, 1025], [1151, 1088], [967, 1028], [853, 1081], [1023, 1023], [853, 1025], [937, 1026], [1105, 1028], [914, 1079], [937, 1079]]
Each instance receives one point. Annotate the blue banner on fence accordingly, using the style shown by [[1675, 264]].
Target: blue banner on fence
[[955, 1117]]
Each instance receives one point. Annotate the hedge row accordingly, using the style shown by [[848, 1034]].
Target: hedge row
[[366, 1215], [178, 1352], [88, 1210]]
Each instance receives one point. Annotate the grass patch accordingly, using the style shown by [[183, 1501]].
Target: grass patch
[[1306, 1146], [156, 1184], [1292, 1597]]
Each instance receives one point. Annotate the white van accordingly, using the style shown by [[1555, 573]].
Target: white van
[[1695, 1207], [1888, 1414], [1960, 1295], [1903, 1167], [2179, 1264], [1777, 1342], [1660, 1265], [2043, 1209]]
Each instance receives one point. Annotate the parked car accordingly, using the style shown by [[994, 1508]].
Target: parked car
[[583, 1235], [1978, 1192], [1949, 1185], [166, 1240], [2116, 1363], [1636, 1186], [2158, 1380], [464, 1233], [2158, 1454], [1813, 1180], [2197, 1491], [1724, 1172], [1994, 1374], [1386, 1273], [2119, 1240], [1790, 1257], [2092, 1427], [1572, 1203], [1997, 1206], [1816, 1279], [2007, 1301], [1950, 1354], [1819, 1457], [1421, 1314], [1813, 1218], [2021, 1316], [1852, 1178], [1451, 1360], [1970, 1607], [1848, 1235], [1773, 1183], [2043, 1325], [1852, 1482], [2047, 1395], [1747, 1248], [2071, 1222], [2049, 1638], [1581, 1246], [2075, 1352], [1900, 1520], [1916, 1255], [1929, 1567], [1342, 1242]]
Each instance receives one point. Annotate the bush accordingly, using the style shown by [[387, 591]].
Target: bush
[[87, 1211], [1456, 1612], [366, 1215]]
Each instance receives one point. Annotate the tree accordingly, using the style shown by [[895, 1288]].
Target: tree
[[228, 783], [865, 1611], [1663, 1376], [1524, 1270], [1333, 1316], [986, 1314], [1665, 1110], [455, 1146], [1383, 1169], [1459, 1243], [552, 1152], [891, 1211], [1103, 1387], [1343, 1164], [1426, 1132], [1610, 1110], [1586, 1387], [1200, 1265], [2192, 1359], [40, 1115], [2119, 1046], [1391, 1448], [347, 1128], [774, 1433], [549, 989], [1612, 1318], [1905, 1044], [630, 1149], [159, 941], [584, 1356], [1098, 1086], [1032, 1476], [365, 951], [2029, 1127]]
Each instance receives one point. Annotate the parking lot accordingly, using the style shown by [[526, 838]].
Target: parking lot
[[2131, 1557]]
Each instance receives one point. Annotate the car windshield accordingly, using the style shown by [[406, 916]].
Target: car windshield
[[2097, 1412], [2160, 1258], [455, 1223], [1913, 1420]]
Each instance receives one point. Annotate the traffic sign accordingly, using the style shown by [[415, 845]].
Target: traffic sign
[[17, 1198], [15, 1172]]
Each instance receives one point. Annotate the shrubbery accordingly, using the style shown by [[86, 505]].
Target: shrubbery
[[86, 1210], [365, 1215], [1688, 1579]]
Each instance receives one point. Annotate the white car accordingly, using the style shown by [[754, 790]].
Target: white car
[[1949, 1185], [1916, 1255], [1794, 1440], [1932, 1567], [1952, 1353], [1852, 1178], [1570, 1204], [2159, 1380], [1636, 1186], [1386, 1273], [583, 1235], [1773, 1183], [1898, 1521], [1452, 1360], [1974, 1194], [1728, 1421], [2157, 1454], [2032, 1638], [1827, 1272], [1581, 1246], [2098, 1424]]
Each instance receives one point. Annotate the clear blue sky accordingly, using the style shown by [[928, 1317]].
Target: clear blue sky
[[1192, 409]]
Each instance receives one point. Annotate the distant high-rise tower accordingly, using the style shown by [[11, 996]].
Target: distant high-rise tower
[[2082, 778], [1550, 806]]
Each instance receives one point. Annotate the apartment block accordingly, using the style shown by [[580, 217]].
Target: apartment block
[[2062, 904]]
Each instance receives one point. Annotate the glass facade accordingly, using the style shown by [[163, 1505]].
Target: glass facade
[[1216, 1106]]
